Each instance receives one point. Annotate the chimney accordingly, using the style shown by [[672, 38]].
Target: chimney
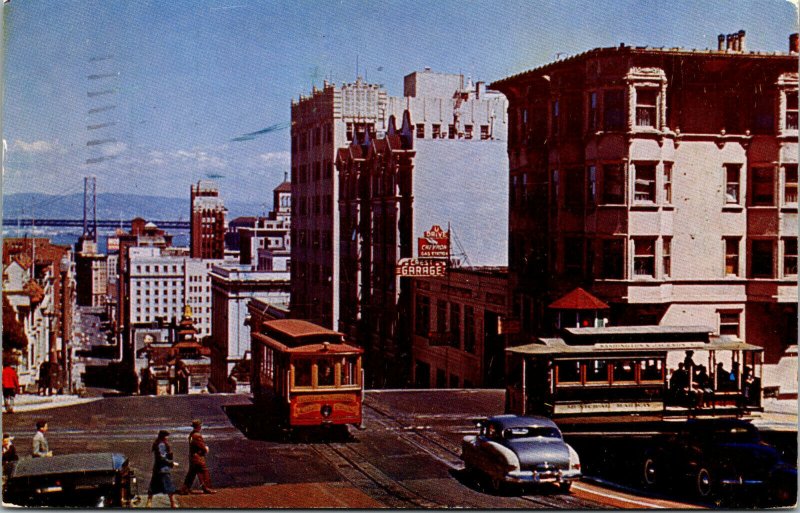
[[741, 41], [728, 42], [480, 89], [720, 42], [794, 43]]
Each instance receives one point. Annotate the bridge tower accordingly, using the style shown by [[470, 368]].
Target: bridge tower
[[90, 208]]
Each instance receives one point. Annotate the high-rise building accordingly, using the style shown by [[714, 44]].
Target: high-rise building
[[207, 221], [663, 181], [448, 118]]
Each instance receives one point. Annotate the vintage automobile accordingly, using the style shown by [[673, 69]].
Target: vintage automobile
[[72, 480], [512, 450], [721, 458]]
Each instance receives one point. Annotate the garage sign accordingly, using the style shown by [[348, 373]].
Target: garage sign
[[418, 268]]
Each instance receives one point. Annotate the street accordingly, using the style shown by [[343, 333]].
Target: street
[[405, 457]]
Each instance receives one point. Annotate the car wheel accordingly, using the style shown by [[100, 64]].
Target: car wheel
[[650, 475], [704, 483], [565, 486], [496, 485]]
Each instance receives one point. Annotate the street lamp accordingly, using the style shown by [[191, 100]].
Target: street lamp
[[64, 266]]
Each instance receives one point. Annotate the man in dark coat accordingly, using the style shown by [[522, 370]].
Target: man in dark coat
[[197, 461]]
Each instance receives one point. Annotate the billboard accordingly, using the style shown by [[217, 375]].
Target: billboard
[[434, 244]]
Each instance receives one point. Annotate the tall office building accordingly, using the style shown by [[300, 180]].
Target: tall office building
[[663, 181], [207, 221]]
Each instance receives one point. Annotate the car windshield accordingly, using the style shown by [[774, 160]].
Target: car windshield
[[531, 432]]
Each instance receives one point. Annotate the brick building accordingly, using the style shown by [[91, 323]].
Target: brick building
[[206, 221], [663, 181]]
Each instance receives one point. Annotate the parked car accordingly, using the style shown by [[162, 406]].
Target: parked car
[[80, 480], [718, 458], [519, 451]]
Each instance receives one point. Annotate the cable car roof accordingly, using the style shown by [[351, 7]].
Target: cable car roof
[[557, 346]]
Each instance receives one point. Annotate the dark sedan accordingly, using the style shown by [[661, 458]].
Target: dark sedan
[[720, 459], [72, 480], [520, 450]]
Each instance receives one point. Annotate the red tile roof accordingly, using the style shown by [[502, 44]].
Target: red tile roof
[[578, 299]]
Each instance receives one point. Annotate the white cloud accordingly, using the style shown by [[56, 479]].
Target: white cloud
[[276, 158], [34, 146]]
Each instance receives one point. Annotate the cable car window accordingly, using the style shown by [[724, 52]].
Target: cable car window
[[569, 372], [651, 370], [302, 373], [597, 371], [348, 371], [624, 370], [325, 373]]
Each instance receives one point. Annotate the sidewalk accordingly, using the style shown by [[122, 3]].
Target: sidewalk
[[32, 402], [778, 415]]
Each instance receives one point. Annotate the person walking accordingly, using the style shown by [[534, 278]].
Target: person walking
[[10, 387], [197, 461], [41, 449], [163, 461]]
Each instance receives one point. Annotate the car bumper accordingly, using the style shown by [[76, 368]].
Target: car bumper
[[535, 477]]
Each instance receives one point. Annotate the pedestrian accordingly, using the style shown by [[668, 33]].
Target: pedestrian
[[41, 449], [197, 461], [9, 452], [163, 461], [44, 378], [10, 387]]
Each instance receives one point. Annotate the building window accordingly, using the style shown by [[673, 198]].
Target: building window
[[644, 257], [732, 256], [667, 183], [469, 329], [423, 316], [613, 184], [791, 110], [554, 118], [614, 110], [420, 130], [592, 186], [762, 191], [762, 263], [441, 317], [573, 190], [349, 132], [790, 184], [733, 174], [645, 182], [455, 325], [573, 255], [451, 132], [467, 131], [790, 256], [591, 122], [613, 259], [484, 132], [646, 107], [437, 131], [729, 322], [666, 257]]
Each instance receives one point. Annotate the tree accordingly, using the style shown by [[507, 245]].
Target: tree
[[13, 333]]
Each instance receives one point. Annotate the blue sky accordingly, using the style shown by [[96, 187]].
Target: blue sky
[[179, 79]]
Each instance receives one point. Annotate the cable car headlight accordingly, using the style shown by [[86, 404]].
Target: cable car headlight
[[326, 410]]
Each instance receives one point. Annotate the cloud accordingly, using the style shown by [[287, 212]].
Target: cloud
[[34, 146], [276, 158]]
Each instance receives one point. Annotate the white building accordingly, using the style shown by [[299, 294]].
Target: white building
[[161, 285], [233, 286]]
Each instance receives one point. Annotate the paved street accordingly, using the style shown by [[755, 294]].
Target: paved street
[[407, 456]]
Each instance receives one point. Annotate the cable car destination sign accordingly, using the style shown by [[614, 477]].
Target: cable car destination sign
[[434, 254]]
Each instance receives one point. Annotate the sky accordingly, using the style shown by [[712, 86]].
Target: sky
[[150, 96]]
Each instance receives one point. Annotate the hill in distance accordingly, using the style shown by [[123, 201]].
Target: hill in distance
[[112, 206]]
